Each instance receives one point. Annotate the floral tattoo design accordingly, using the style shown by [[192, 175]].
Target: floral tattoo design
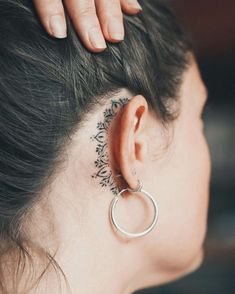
[[104, 173]]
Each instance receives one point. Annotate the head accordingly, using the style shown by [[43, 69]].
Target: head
[[72, 120]]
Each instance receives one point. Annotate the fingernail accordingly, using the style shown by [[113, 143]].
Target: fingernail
[[115, 30], [58, 26], [135, 4], [96, 38]]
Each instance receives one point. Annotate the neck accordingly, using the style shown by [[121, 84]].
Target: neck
[[93, 258]]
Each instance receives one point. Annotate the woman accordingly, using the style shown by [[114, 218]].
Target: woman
[[77, 130]]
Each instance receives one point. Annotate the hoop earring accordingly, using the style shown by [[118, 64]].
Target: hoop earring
[[113, 217]]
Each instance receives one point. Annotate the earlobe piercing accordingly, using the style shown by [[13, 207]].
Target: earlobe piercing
[[133, 172], [113, 216]]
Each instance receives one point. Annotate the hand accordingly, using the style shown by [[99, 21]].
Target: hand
[[94, 20]]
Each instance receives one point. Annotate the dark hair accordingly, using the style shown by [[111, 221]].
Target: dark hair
[[47, 86]]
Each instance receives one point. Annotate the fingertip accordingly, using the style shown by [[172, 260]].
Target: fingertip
[[97, 50], [57, 26], [115, 30], [93, 49], [131, 7], [132, 11], [96, 39]]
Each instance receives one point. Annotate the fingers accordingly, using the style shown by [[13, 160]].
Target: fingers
[[94, 20], [130, 6], [51, 13], [111, 19], [85, 20]]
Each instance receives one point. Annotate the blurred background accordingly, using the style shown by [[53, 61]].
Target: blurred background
[[211, 24]]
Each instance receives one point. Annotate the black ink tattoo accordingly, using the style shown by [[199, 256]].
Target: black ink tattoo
[[102, 163]]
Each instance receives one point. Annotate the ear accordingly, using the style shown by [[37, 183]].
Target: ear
[[131, 144]]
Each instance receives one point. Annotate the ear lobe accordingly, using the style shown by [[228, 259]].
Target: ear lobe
[[131, 149]]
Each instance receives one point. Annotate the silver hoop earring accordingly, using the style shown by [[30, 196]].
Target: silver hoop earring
[[113, 216]]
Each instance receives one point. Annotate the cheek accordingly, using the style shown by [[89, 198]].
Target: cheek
[[183, 203]]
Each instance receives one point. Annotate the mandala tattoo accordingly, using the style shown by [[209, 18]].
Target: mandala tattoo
[[104, 173]]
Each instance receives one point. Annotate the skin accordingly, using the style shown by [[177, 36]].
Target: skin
[[94, 20], [174, 167]]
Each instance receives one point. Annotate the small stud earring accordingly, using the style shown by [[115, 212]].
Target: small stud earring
[[133, 172]]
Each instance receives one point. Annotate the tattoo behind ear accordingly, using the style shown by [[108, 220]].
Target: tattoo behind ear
[[104, 173]]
